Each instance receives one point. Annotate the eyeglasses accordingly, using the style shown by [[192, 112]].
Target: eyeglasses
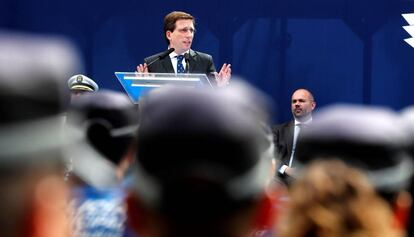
[[186, 30]]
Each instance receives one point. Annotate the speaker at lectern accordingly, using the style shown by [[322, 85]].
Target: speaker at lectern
[[138, 84]]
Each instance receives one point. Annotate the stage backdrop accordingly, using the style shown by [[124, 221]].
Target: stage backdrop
[[343, 51]]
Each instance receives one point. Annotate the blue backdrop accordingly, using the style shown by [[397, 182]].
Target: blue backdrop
[[342, 50]]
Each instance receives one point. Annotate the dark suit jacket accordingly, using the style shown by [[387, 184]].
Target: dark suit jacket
[[198, 63], [283, 139]]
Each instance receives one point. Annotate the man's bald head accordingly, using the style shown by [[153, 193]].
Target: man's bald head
[[302, 104]]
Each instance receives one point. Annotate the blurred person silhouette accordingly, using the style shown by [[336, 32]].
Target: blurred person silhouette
[[332, 199], [407, 115], [109, 122], [287, 134], [372, 139], [33, 94], [257, 103], [202, 166], [80, 84]]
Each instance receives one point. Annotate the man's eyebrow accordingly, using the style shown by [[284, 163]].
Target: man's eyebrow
[[301, 99]]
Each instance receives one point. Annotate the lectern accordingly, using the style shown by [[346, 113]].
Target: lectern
[[138, 84]]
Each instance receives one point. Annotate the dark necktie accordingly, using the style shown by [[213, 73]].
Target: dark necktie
[[180, 66]]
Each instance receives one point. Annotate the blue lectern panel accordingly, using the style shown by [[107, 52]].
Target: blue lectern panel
[[138, 85]]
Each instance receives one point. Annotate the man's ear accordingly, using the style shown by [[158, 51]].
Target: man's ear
[[168, 34], [313, 105]]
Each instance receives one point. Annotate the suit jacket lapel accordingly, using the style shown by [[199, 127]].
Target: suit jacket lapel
[[167, 65], [289, 137], [192, 60]]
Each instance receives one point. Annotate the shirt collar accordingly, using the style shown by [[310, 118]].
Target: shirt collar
[[304, 122], [174, 54]]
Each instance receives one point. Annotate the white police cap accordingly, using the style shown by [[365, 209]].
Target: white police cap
[[82, 83]]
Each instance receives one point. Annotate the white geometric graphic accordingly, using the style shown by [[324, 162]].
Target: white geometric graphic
[[409, 17], [410, 41]]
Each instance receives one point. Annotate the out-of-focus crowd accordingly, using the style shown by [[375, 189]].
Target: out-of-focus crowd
[[79, 160]]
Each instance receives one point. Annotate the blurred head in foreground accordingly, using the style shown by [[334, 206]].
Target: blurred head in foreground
[[332, 199], [32, 96], [109, 121], [203, 161], [372, 139], [407, 115]]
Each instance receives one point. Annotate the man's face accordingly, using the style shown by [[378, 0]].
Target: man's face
[[302, 104], [75, 93], [182, 37]]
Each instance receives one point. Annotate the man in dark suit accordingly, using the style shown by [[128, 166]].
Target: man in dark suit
[[179, 30], [286, 134]]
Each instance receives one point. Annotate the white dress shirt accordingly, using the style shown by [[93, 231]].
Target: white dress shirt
[[296, 132], [174, 60]]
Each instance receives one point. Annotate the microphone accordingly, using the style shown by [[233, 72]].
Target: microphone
[[187, 61], [161, 56]]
